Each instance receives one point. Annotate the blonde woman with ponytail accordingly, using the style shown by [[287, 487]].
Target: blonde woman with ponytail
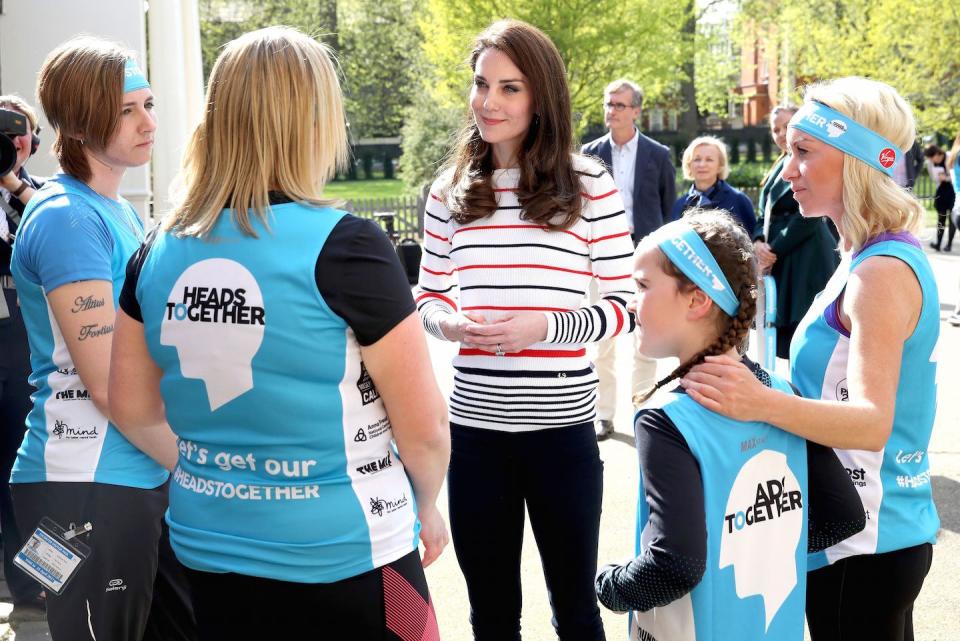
[[863, 356], [725, 506]]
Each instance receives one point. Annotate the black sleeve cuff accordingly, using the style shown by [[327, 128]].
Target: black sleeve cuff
[[128, 293], [360, 277]]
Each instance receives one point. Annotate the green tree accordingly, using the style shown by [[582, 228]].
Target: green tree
[[716, 67], [910, 45], [223, 20], [599, 40], [427, 136], [381, 60], [378, 45], [913, 46]]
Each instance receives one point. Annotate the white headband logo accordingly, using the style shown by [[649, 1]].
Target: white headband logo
[[836, 128], [690, 254]]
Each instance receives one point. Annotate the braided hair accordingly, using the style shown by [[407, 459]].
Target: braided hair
[[733, 251]]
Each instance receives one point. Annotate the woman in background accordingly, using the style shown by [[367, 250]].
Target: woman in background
[[705, 163], [799, 252]]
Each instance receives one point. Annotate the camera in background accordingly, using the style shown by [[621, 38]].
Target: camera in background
[[11, 124]]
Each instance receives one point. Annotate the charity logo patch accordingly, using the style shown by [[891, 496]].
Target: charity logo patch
[[887, 157], [836, 128], [762, 526], [368, 391], [842, 391], [380, 506], [215, 317], [376, 465], [63, 430]]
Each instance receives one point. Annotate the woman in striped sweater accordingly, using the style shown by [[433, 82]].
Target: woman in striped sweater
[[516, 228]]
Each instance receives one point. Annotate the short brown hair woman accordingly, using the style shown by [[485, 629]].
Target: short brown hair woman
[[74, 467], [516, 228]]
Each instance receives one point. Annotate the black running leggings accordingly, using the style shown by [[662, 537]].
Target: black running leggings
[[867, 597], [389, 603]]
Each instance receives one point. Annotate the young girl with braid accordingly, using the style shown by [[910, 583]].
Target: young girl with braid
[[728, 509]]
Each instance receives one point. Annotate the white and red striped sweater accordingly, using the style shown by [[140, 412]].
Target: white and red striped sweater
[[503, 264]]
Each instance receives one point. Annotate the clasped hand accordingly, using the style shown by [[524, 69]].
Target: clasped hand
[[765, 257], [511, 333]]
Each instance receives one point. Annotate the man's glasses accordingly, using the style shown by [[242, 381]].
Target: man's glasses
[[616, 106]]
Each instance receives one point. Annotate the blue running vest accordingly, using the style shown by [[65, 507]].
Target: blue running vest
[[894, 484], [68, 439], [287, 468], [755, 492]]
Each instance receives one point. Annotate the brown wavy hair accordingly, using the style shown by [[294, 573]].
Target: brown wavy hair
[[549, 187], [731, 247]]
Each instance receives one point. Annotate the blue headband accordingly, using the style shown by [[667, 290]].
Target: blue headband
[[133, 78], [685, 249], [847, 135]]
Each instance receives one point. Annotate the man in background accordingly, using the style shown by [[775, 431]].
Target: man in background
[[644, 173]]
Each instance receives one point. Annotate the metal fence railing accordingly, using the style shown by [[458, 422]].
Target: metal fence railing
[[407, 219]]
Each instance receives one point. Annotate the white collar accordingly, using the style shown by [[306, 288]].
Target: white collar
[[630, 145]]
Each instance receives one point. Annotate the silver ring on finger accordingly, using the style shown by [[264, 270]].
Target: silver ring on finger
[[500, 351]]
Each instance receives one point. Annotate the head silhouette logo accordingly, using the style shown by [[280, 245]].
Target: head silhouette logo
[[836, 128], [761, 530], [215, 318]]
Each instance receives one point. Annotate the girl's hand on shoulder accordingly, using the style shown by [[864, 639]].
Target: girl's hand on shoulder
[[728, 387]]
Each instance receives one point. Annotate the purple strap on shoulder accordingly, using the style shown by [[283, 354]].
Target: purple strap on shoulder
[[832, 313], [832, 316], [900, 236]]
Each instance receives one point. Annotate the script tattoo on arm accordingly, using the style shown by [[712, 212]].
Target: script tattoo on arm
[[94, 330], [85, 304]]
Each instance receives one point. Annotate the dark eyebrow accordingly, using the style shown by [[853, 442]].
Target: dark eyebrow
[[502, 82], [133, 103]]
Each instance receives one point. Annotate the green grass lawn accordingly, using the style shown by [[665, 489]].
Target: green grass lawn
[[355, 189]]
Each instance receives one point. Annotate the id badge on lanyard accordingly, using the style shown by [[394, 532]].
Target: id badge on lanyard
[[52, 555]]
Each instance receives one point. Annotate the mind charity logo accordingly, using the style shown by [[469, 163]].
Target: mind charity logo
[[762, 525], [215, 317]]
